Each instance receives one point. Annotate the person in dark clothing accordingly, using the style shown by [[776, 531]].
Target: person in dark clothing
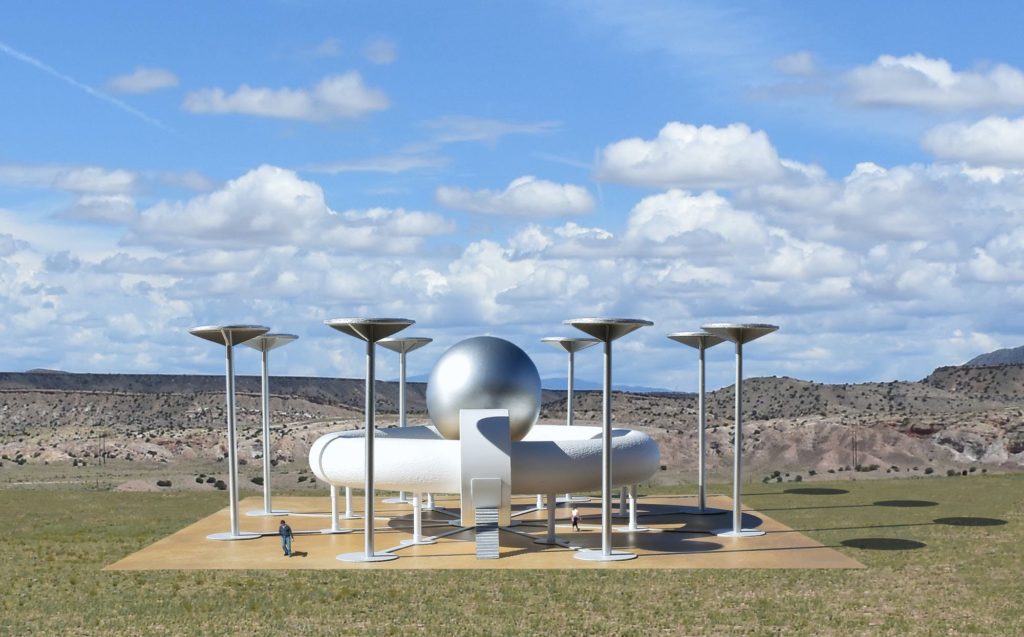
[[285, 532]]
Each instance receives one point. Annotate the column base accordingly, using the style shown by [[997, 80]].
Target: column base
[[335, 531], [567, 499], [627, 529], [422, 540], [741, 533], [265, 513], [228, 536], [363, 557], [597, 555]]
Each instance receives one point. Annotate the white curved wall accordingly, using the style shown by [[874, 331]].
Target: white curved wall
[[550, 459]]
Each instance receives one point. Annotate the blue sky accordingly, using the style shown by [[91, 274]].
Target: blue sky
[[853, 172]]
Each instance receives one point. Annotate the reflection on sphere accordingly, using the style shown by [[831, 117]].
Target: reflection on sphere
[[484, 372]]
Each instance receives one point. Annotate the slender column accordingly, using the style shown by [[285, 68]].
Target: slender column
[[606, 453], [349, 514], [737, 515], [430, 501], [265, 386], [402, 422], [623, 497], [334, 509], [417, 518], [568, 404], [701, 466], [232, 460], [632, 507], [368, 496], [551, 519], [540, 501]]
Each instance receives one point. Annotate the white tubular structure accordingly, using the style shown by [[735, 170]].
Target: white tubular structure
[[550, 459]]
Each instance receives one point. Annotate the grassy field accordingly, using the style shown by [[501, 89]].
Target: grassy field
[[943, 556]]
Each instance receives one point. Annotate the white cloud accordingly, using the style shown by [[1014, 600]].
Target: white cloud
[[117, 208], [993, 141], [687, 156], [801, 63], [271, 206], [343, 96], [524, 196], [381, 51], [143, 80], [931, 83]]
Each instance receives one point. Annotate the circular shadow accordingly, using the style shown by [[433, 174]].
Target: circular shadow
[[883, 544], [906, 504], [970, 521], [816, 491]]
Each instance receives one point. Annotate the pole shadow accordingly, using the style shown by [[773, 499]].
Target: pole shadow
[[883, 544], [965, 521], [906, 504]]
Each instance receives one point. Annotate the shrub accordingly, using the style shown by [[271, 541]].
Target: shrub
[[812, 472], [929, 471], [211, 480], [798, 478], [258, 480], [163, 483], [303, 478], [199, 480], [220, 485], [950, 472]]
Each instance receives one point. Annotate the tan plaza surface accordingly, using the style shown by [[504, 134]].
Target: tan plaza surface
[[674, 541]]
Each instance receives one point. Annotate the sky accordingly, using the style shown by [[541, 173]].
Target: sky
[[851, 172]]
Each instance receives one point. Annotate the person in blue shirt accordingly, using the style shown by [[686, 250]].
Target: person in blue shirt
[[285, 532]]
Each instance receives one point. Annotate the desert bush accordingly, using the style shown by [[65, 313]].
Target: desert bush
[[163, 483], [220, 485], [257, 480], [950, 472], [199, 480], [211, 480], [929, 471]]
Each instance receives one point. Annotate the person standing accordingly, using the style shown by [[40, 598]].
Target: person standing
[[285, 532], [575, 519]]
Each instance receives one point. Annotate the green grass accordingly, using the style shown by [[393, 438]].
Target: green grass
[[963, 580]]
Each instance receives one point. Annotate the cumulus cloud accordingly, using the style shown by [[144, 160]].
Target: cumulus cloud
[[931, 83], [381, 51], [993, 141], [101, 195], [343, 96], [143, 80], [526, 196], [272, 206], [688, 156]]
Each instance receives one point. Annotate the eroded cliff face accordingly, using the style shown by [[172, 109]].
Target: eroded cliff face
[[955, 419]]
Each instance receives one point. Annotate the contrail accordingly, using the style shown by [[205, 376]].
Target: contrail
[[18, 55]]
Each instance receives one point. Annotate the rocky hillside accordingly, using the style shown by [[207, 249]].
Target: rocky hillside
[[956, 419], [1009, 356]]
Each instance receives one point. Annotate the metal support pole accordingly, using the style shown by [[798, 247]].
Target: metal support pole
[[540, 501], [368, 495], [737, 515], [417, 518], [430, 501], [232, 460], [701, 467], [623, 497], [335, 527], [568, 404], [632, 507], [348, 504], [265, 386], [401, 401], [551, 519], [606, 454]]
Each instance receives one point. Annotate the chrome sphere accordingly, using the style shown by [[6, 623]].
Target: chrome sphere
[[484, 372]]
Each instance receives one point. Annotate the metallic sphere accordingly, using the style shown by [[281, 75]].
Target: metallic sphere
[[484, 372]]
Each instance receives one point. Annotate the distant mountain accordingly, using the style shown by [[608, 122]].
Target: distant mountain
[[581, 384], [1010, 356]]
